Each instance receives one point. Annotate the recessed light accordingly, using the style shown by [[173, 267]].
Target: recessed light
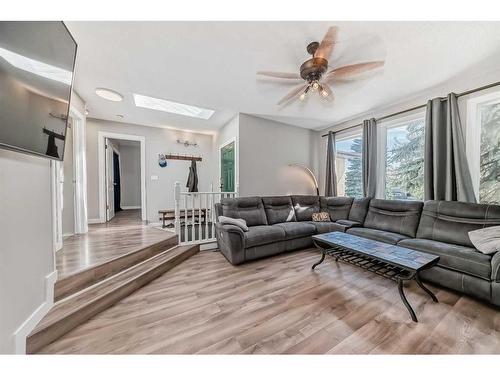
[[109, 94], [172, 107]]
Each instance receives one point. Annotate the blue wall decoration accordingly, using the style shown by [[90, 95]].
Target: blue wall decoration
[[162, 160]]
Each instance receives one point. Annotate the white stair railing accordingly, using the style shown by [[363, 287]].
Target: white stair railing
[[195, 215]]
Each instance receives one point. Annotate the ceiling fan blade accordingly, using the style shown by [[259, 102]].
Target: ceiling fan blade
[[325, 48], [351, 70], [294, 94], [280, 75]]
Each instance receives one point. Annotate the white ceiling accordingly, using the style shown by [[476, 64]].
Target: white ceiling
[[213, 65]]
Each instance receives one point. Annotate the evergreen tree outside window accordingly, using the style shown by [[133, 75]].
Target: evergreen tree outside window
[[348, 167], [404, 169], [489, 163]]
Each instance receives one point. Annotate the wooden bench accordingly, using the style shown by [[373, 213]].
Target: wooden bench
[[170, 215]]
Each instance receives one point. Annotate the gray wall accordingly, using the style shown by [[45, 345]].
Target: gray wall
[[159, 192], [130, 159], [266, 148], [26, 253]]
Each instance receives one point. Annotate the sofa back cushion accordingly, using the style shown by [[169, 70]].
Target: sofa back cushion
[[337, 207], [278, 209], [305, 206], [395, 216], [451, 222], [250, 209], [359, 209]]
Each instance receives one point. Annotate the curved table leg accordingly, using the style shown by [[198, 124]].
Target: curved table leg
[[419, 282], [320, 261], [405, 301]]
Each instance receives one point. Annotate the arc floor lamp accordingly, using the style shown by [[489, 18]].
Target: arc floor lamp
[[309, 172]]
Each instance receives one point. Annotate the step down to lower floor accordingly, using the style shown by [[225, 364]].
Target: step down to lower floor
[[82, 279], [70, 312]]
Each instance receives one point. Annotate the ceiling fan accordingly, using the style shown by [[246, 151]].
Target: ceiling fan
[[315, 71]]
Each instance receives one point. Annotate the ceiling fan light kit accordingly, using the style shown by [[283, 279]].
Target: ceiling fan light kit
[[315, 70]]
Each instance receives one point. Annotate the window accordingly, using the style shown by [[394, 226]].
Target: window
[[348, 166], [483, 146], [402, 148]]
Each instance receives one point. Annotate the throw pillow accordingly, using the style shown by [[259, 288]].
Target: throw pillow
[[486, 240], [240, 223], [321, 216]]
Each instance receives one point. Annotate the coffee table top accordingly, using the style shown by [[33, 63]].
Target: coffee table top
[[396, 255]]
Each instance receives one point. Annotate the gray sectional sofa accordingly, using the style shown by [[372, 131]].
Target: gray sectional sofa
[[284, 223]]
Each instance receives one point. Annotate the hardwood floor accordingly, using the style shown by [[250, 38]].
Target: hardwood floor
[[279, 305], [123, 234]]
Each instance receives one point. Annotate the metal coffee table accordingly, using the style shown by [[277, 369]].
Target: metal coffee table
[[394, 262]]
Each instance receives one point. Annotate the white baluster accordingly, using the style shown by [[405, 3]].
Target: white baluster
[[186, 218], [206, 216], [199, 218], [193, 237], [177, 198]]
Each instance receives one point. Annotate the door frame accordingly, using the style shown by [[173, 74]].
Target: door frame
[[115, 150], [236, 162], [101, 136], [79, 171], [80, 187]]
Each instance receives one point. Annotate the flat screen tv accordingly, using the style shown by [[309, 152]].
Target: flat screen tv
[[37, 61]]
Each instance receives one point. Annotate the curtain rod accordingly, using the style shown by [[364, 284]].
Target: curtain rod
[[423, 105]]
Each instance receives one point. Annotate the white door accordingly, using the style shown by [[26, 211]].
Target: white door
[[110, 179]]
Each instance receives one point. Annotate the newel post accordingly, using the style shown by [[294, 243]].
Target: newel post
[[177, 202]]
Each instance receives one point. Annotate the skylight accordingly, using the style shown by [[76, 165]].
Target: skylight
[[172, 107], [36, 67]]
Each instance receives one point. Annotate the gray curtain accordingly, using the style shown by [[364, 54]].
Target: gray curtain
[[331, 176], [446, 172], [369, 157]]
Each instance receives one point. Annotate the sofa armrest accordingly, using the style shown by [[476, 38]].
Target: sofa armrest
[[495, 267], [349, 223], [231, 242]]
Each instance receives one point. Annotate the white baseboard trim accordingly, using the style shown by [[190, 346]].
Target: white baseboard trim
[[68, 235], [131, 207], [29, 324], [94, 221]]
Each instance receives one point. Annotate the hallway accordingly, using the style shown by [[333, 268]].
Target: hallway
[[125, 233]]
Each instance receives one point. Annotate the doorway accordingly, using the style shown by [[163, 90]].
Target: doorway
[[227, 167], [122, 177], [116, 181]]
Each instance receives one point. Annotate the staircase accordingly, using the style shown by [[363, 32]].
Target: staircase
[[81, 296]]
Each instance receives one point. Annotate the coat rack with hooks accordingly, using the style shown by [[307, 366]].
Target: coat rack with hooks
[[182, 157]]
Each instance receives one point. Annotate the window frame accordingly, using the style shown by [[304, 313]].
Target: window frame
[[473, 135], [383, 126]]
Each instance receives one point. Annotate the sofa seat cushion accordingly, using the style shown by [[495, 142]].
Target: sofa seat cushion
[[378, 235], [296, 229], [327, 226], [455, 257], [263, 234]]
